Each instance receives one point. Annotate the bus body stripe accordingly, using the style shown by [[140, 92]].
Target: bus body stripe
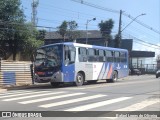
[[110, 72]]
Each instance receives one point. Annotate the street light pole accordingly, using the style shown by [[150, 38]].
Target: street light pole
[[120, 31], [133, 21], [87, 29]]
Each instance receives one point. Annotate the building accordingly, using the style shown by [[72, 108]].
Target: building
[[136, 58]]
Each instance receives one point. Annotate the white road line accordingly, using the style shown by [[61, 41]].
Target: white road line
[[109, 85], [14, 92], [50, 98], [76, 88], [15, 95], [140, 105], [31, 96], [136, 107], [98, 104], [71, 101]]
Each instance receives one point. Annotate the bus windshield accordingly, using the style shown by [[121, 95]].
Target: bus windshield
[[48, 56]]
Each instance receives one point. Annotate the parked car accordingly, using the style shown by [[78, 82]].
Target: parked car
[[158, 73], [135, 71]]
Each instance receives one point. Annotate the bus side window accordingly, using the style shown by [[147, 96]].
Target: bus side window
[[69, 54], [109, 56], [82, 54], [123, 57], [101, 56], [117, 56], [92, 55]]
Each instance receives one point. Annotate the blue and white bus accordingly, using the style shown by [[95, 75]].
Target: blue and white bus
[[78, 63]]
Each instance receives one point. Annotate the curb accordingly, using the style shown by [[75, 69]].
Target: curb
[[24, 87], [2, 90]]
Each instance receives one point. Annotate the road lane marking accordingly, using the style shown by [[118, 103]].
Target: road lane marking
[[72, 101], [50, 98], [31, 96], [98, 104], [76, 88], [136, 107], [115, 84], [14, 92], [140, 105], [23, 94]]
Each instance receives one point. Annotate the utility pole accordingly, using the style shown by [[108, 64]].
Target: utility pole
[[119, 30], [34, 12], [87, 28]]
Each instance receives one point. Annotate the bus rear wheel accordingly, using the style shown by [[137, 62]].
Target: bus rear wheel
[[79, 79], [114, 77]]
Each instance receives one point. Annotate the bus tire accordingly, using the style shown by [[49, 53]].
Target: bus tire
[[114, 77], [79, 79], [55, 84]]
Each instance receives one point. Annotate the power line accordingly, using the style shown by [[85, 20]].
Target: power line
[[141, 23], [145, 43], [117, 12], [6, 22]]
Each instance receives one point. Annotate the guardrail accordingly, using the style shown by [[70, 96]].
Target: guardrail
[[15, 73]]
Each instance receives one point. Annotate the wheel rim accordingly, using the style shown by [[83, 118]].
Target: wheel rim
[[79, 79], [115, 77]]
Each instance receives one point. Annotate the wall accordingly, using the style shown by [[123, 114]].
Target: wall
[[15, 73]]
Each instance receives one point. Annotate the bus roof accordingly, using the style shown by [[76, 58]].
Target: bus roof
[[86, 45]]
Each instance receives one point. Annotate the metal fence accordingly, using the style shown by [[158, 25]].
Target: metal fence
[[15, 73], [145, 68]]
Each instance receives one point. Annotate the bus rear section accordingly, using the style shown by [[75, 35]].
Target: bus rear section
[[102, 63]]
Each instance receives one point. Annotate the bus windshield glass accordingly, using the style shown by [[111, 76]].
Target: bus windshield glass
[[49, 56]]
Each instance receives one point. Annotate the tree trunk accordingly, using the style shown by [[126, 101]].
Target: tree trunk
[[15, 47]]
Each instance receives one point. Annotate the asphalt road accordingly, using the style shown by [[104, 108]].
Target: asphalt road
[[134, 93]]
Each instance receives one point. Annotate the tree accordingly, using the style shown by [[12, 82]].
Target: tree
[[12, 23], [41, 34], [62, 29], [67, 29], [71, 33], [34, 39], [15, 32], [106, 29]]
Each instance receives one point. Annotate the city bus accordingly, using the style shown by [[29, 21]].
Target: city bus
[[78, 63]]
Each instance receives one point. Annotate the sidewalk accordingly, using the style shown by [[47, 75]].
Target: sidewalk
[[2, 90], [20, 87]]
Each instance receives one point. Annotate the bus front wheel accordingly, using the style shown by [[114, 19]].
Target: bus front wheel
[[79, 79]]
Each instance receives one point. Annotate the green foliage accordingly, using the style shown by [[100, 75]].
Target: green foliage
[[71, 33], [15, 33], [106, 29], [72, 25], [41, 34], [31, 44], [62, 29], [33, 40], [11, 24], [67, 29]]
